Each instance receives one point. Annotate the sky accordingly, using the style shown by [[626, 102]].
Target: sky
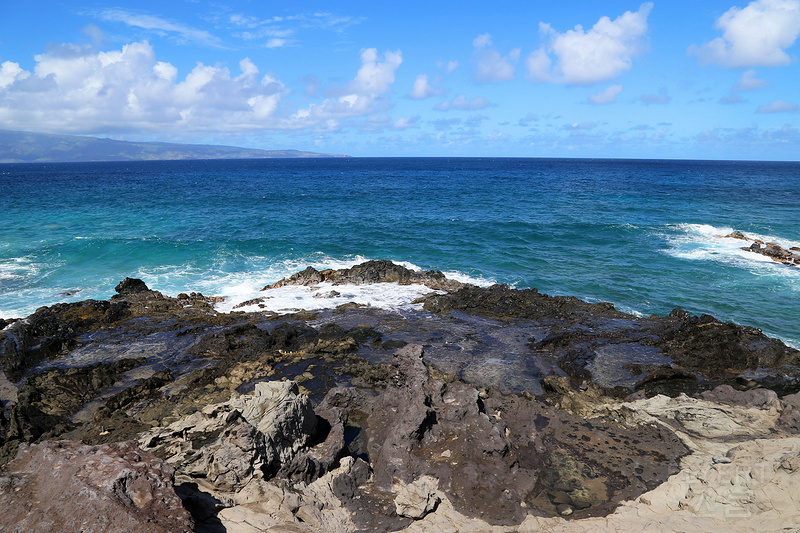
[[718, 79]]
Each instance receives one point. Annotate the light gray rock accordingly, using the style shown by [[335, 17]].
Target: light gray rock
[[417, 499], [225, 445]]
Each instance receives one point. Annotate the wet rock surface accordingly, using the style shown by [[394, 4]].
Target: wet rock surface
[[369, 272], [493, 409], [774, 251]]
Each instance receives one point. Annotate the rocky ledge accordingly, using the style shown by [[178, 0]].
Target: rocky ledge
[[774, 251], [492, 409]]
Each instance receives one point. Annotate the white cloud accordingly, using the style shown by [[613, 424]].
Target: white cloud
[[483, 40], [463, 104], [587, 57], [449, 67], [422, 89], [276, 43], [360, 97], [375, 76], [608, 96], [757, 35], [749, 82], [11, 72], [74, 89], [404, 123], [161, 26], [778, 106], [491, 65]]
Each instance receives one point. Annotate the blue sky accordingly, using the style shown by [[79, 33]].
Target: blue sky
[[678, 79]]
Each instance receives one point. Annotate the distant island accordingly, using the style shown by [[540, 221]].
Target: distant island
[[26, 147]]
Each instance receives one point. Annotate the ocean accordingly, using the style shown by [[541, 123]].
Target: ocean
[[644, 235]]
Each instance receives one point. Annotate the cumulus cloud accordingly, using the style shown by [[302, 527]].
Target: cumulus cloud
[[462, 103], [778, 106], [11, 72], [662, 97], [75, 89], [579, 57], [749, 82], [609, 96], [491, 65], [757, 35], [422, 89], [360, 97]]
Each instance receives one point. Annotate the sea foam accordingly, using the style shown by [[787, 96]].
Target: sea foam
[[708, 243], [243, 286]]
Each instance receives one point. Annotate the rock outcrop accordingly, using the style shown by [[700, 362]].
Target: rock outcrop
[[775, 252], [772, 250], [224, 446], [68, 486], [369, 272], [523, 412]]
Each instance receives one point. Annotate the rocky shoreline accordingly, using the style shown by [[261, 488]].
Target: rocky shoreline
[[491, 409], [776, 252]]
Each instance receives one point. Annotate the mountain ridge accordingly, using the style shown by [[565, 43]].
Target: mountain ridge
[[31, 147]]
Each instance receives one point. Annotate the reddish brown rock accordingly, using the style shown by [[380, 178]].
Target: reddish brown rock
[[68, 486]]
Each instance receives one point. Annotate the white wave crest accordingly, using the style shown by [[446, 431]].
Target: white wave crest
[[293, 298], [247, 284], [703, 242]]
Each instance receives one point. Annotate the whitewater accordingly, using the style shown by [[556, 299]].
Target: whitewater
[[647, 236]]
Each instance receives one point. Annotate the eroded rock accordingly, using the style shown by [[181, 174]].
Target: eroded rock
[[225, 445], [369, 272], [67, 486]]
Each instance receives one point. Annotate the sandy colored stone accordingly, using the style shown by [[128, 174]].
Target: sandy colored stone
[[417, 499]]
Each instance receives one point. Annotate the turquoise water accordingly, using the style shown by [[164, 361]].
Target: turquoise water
[[640, 234]]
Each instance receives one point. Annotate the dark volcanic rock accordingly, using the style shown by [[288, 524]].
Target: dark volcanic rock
[[131, 286], [501, 301], [414, 435], [774, 252], [46, 400], [67, 486], [718, 349], [48, 332], [62, 392], [497, 456], [369, 272]]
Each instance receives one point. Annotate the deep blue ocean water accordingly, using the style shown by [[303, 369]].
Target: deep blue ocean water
[[640, 234]]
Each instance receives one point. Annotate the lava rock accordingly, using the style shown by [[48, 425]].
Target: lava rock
[[111, 488], [131, 286]]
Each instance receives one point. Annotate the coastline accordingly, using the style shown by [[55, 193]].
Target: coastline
[[554, 403]]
